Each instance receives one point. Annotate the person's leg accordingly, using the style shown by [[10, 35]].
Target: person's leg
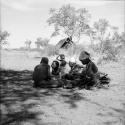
[[82, 83], [90, 83]]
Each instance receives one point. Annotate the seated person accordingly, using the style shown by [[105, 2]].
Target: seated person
[[62, 60], [72, 64], [75, 70], [41, 73], [90, 73], [55, 68]]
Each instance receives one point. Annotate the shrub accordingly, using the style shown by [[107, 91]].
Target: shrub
[[108, 52], [51, 50], [75, 50]]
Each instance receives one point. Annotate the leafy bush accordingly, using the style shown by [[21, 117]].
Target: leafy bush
[[108, 52], [50, 50], [75, 50], [95, 48]]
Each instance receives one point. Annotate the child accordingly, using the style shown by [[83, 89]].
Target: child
[[55, 68], [61, 58]]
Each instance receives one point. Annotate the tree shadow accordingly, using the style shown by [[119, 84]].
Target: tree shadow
[[18, 117], [71, 97], [18, 96], [17, 91], [117, 114], [17, 86]]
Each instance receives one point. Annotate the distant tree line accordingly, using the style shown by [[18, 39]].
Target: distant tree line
[[40, 42], [3, 37]]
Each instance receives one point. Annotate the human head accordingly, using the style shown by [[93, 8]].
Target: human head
[[84, 57], [62, 56], [55, 64], [44, 60]]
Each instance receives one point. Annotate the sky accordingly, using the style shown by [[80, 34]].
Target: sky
[[26, 19]]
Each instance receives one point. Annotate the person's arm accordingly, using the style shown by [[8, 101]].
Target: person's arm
[[94, 68], [80, 66], [93, 71]]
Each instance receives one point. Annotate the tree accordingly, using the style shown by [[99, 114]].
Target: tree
[[69, 21], [45, 42], [40, 42], [3, 40], [28, 44], [116, 35], [3, 37], [101, 27], [117, 38], [92, 35]]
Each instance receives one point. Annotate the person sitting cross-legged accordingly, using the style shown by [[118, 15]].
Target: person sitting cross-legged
[[74, 73], [41, 73], [89, 75]]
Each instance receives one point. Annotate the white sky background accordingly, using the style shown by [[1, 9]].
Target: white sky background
[[26, 19]]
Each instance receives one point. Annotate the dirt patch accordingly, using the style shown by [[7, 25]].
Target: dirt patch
[[21, 104]]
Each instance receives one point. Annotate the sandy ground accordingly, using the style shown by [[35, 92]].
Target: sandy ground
[[24, 105]]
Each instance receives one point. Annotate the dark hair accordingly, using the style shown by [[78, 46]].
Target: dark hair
[[83, 55], [56, 62], [44, 60]]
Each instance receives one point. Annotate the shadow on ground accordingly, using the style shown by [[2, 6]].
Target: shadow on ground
[[18, 96], [114, 113]]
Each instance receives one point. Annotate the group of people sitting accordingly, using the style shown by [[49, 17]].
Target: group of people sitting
[[87, 78]]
